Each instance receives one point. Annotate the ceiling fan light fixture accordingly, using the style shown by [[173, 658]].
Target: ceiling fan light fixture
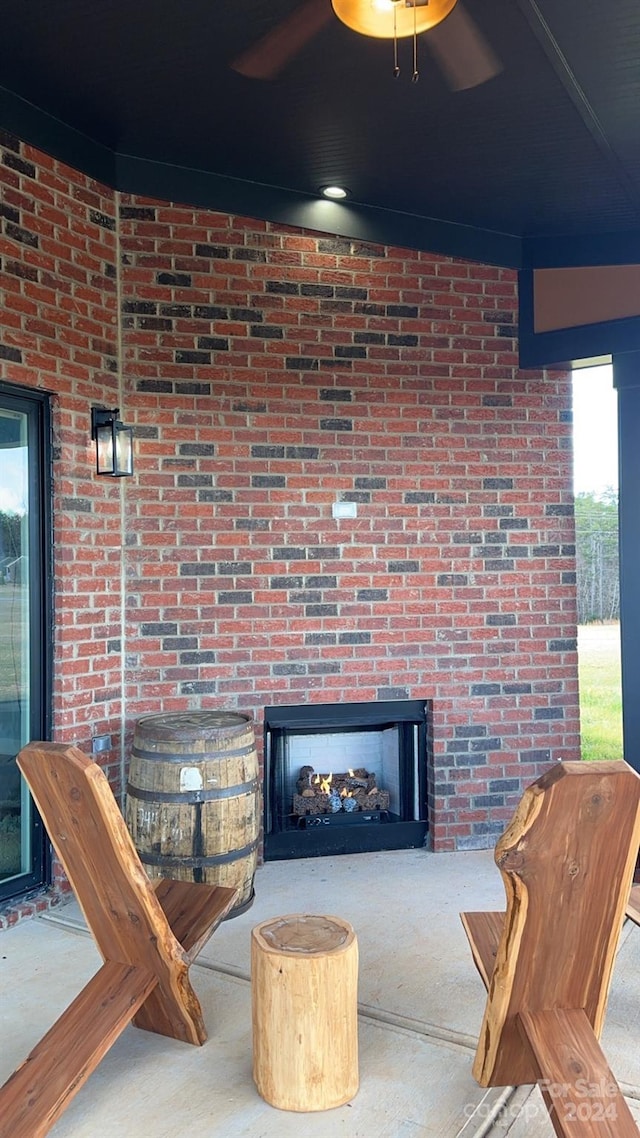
[[335, 193], [392, 19]]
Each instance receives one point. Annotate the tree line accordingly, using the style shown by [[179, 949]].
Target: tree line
[[597, 564]]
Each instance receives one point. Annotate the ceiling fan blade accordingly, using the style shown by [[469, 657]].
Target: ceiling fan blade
[[462, 52], [266, 58]]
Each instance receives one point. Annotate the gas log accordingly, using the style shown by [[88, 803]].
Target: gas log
[[325, 793]]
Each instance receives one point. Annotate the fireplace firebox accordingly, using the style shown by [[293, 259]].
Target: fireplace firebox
[[345, 778]]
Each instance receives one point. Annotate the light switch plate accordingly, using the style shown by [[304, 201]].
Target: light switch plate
[[344, 509], [101, 743]]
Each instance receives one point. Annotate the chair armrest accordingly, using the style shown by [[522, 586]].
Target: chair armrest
[[633, 905], [483, 933], [193, 910]]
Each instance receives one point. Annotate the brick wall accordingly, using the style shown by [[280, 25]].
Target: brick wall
[[59, 333], [271, 371], [268, 372]]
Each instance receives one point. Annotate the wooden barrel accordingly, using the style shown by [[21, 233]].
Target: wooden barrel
[[193, 799]]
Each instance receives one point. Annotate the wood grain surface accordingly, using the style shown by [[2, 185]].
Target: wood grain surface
[[304, 982], [145, 974]]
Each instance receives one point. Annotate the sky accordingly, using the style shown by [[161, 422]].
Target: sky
[[13, 482], [595, 430]]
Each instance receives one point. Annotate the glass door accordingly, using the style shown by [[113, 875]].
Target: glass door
[[24, 627]]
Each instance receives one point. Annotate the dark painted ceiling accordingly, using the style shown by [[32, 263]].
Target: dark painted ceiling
[[143, 95]]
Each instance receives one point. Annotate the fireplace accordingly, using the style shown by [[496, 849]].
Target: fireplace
[[345, 778]]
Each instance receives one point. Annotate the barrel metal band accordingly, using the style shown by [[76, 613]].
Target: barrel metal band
[[189, 758], [198, 862], [191, 797]]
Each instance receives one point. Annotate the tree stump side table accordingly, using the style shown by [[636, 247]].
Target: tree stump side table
[[304, 988]]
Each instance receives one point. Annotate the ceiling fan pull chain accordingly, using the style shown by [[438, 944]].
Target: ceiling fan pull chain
[[396, 66], [416, 74]]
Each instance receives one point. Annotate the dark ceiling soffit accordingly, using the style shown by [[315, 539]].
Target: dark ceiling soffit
[[573, 252], [565, 74], [252, 199], [287, 207], [361, 222], [565, 346], [39, 129]]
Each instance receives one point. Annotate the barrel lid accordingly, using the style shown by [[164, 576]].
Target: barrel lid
[[193, 724]]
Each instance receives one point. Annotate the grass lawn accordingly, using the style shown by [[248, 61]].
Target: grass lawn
[[600, 691]]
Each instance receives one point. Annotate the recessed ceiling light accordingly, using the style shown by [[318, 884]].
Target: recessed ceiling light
[[335, 192]]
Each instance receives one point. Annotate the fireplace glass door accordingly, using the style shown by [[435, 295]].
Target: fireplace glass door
[[345, 778]]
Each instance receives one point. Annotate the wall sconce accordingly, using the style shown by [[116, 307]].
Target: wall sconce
[[114, 443]]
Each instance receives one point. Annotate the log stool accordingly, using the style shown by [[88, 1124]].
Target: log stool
[[304, 985]]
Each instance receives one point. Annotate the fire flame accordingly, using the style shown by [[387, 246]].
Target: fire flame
[[325, 784], [344, 793]]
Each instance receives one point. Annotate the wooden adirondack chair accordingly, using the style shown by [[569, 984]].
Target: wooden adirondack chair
[[147, 934], [633, 907], [567, 862]]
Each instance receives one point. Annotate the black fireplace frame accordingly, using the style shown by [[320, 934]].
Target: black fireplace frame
[[283, 840]]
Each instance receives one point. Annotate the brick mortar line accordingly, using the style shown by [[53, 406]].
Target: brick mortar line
[[123, 528]]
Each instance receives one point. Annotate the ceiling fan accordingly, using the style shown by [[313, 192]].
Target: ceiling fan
[[458, 46]]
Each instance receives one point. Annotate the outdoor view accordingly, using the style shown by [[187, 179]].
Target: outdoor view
[[596, 490], [14, 623]]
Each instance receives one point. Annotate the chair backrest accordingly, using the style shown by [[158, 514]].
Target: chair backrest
[[91, 839], [567, 863]]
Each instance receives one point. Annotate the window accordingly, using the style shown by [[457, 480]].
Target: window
[[25, 637]]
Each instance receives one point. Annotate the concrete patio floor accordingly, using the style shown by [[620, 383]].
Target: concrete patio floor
[[421, 1004]]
